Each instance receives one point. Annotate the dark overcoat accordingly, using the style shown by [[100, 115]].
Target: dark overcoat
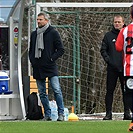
[[45, 66]]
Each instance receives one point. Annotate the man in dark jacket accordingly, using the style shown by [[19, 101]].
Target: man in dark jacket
[[45, 48], [114, 62]]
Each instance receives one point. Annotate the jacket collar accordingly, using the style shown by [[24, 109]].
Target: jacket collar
[[115, 31], [48, 29]]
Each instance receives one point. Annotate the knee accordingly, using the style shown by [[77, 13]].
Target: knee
[[57, 90], [42, 94]]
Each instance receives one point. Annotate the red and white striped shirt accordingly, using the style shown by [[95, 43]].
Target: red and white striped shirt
[[123, 45]]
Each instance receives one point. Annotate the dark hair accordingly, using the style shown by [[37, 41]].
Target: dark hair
[[43, 14], [131, 11]]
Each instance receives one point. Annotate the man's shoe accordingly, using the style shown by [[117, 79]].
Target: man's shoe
[[60, 117], [108, 117], [127, 116], [46, 118]]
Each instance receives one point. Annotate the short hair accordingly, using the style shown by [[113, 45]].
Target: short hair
[[43, 14], [119, 16], [131, 11]]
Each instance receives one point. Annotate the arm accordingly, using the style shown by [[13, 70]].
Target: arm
[[58, 46], [104, 49], [120, 41], [32, 45]]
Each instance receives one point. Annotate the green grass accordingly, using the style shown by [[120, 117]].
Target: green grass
[[64, 127]]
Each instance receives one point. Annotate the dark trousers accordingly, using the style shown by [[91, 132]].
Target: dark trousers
[[112, 77]]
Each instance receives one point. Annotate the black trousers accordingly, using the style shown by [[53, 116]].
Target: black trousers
[[128, 86], [112, 77]]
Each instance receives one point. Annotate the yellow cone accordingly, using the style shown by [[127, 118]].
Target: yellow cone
[[73, 116]]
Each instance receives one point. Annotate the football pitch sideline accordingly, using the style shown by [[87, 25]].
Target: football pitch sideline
[[64, 127]]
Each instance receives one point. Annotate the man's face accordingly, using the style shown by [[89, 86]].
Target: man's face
[[118, 23], [41, 21]]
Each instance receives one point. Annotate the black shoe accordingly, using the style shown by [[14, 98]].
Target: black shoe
[[46, 118], [108, 117], [127, 116]]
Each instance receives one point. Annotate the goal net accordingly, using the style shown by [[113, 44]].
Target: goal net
[[82, 70]]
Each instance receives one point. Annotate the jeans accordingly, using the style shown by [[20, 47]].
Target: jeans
[[54, 82]]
